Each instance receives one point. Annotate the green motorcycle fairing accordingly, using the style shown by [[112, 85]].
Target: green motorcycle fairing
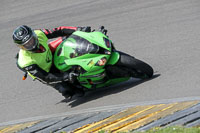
[[86, 52]]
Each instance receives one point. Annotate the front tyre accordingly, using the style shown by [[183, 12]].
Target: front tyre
[[142, 70], [139, 68]]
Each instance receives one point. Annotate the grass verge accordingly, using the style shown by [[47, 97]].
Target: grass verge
[[173, 129]]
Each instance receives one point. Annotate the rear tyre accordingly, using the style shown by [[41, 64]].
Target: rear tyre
[[139, 68]]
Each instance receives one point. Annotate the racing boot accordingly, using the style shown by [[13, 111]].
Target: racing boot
[[65, 90], [78, 90], [68, 95]]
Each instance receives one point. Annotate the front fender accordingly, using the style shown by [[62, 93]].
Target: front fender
[[113, 58]]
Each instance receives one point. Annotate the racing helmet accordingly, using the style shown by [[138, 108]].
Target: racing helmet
[[25, 38]]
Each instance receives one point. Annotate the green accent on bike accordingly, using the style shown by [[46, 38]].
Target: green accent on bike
[[86, 50], [114, 58]]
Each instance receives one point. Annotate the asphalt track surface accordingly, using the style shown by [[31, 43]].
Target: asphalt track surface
[[165, 34]]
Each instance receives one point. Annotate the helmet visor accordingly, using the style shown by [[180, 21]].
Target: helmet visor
[[31, 44]]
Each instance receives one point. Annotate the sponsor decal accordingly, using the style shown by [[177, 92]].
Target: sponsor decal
[[91, 63]]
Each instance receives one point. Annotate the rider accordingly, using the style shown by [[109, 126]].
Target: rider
[[35, 57]]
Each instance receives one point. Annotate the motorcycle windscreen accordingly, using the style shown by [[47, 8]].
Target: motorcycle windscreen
[[76, 46]]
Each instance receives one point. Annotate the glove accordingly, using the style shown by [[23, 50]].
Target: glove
[[85, 29], [71, 77]]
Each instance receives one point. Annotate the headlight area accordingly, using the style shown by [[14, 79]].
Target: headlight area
[[101, 62], [107, 42]]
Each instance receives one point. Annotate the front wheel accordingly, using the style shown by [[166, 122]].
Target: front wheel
[[139, 68], [142, 69]]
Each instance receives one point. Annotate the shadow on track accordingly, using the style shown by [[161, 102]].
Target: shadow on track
[[98, 93]]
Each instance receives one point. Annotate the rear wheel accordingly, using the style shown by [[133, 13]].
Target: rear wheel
[[139, 68]]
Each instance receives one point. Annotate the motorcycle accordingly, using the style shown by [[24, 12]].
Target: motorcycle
[[96, 62]]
